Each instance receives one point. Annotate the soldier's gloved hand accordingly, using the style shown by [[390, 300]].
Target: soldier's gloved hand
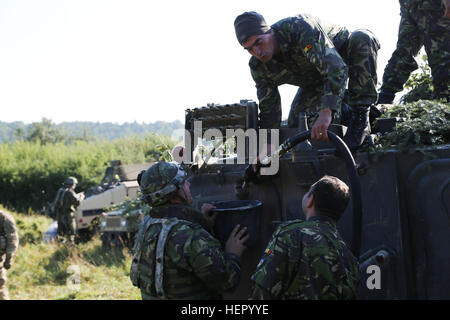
[[385, 97]]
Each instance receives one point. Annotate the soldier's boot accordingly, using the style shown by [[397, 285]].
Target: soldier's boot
[[359, 127]]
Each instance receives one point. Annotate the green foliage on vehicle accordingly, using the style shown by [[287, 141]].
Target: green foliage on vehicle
[[420, 84], [425, 123]]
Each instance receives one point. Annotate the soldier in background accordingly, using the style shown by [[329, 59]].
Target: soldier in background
[[65, 208], [423, 23], [319, 58], [309, 259], [9, 241], [175, 255]]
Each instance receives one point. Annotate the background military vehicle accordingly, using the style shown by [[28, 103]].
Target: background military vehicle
[[403, 227], [120, 226], [118, 184]]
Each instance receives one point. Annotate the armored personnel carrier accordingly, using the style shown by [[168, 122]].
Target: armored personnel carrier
[[118, 184], [398, 222]]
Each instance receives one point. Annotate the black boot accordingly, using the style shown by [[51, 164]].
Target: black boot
[[386, 97], [359, 127]]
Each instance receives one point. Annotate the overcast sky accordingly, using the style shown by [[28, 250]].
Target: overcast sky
[[135, 60]]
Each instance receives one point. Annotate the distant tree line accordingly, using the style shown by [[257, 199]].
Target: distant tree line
[[46, 131]]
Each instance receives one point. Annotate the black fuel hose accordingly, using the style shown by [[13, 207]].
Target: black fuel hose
[[355, 183]]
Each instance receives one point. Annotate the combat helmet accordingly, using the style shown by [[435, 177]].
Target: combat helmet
[[70, 181], [161, 182]]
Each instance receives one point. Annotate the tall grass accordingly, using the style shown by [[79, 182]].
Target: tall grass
[[31, 173], [49, 270]]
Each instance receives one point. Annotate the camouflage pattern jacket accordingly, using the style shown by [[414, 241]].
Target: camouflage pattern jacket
[[70, 202], [306, 260], [194, 264], [423, 5], [9, 238], [309, 58]]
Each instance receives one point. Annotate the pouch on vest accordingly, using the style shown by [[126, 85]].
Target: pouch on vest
[[134, 270]]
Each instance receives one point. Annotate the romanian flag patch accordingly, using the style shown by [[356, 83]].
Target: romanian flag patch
[[268, 252], [307, 48]]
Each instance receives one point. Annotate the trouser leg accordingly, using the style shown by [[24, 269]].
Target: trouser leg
[[306, 100], [402, 62], [4, 294], [70, 228], [437, 46], [360, 53]]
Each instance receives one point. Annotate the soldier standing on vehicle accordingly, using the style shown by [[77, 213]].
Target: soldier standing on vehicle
[[423, 23], [9, 241], [319, 58], [65, 210], [309, 259], [175, 257]]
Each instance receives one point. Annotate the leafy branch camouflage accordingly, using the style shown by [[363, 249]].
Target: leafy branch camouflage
[[420, 84], [426, 123]]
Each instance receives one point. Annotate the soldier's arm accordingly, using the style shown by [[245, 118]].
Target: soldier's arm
[[269, 100], [218, 270], [314, 44], [272, 270], [73, 198]]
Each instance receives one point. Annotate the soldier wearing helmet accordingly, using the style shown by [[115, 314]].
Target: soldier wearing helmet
[[175, 255], [66, 203]]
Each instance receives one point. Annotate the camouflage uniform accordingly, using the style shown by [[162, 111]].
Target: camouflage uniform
[[66, 215], [319, 58], [9, 241], [306, 260], [421, 24], [192, 264]]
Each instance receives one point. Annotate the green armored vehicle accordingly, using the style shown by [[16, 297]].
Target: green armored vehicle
[[398, 219]]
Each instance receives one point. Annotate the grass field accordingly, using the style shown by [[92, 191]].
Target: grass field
[[51, 271]]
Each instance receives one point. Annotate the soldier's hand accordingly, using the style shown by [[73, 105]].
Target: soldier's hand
[[446, 8], [7, 264], [236, 240], [208, 214], [319, 129]]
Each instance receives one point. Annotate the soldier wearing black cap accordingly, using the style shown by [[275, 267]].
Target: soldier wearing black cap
[[319, 58]]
